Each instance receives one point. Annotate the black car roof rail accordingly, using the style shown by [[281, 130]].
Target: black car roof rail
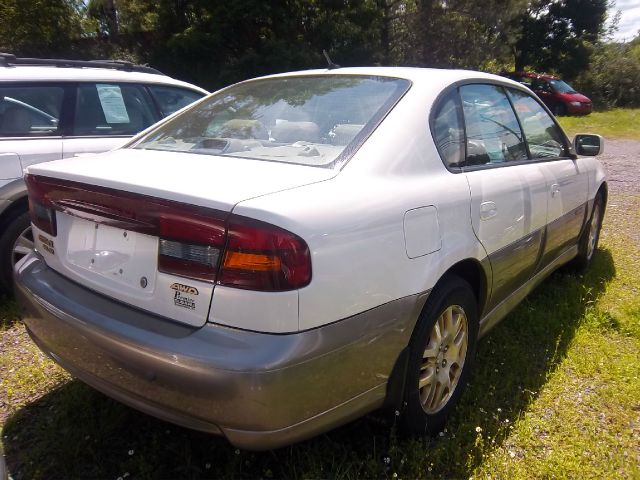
[[10, 60]]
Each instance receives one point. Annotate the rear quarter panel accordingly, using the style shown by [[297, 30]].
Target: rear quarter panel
[[353, 223]]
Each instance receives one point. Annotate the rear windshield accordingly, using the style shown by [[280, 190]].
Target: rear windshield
[[306, 120]]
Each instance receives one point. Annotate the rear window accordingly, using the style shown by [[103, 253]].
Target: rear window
[[172, 99], [306, 120]]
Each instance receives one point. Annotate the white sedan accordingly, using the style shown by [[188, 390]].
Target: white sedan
[[297, 250]]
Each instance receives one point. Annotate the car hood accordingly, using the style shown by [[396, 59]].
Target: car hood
[[211, 181]]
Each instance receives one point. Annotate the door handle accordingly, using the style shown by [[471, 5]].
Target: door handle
[[488, 210], [555, 189]]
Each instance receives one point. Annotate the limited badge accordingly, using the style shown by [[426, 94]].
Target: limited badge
[[183, 296], [47, 244]]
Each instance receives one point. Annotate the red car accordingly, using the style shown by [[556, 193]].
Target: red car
[[558, 95]]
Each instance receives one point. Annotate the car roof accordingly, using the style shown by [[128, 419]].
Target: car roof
[[435, 77], [544, 76], [21, 73]]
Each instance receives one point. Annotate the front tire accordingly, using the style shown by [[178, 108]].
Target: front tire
[[559, 110], [441, 351], [589, 240], [15, 242]]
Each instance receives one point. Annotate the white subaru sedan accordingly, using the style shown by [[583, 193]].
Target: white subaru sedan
[[297, 250]]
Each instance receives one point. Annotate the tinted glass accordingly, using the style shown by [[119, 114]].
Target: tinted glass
[[544, 137], [306, 120], [493, 133], [172, 99], [112, 109], [540, 85], [30, 110], [561, 87], [448, 130]]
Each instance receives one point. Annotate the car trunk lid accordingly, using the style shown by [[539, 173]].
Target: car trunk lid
[[150, 242]]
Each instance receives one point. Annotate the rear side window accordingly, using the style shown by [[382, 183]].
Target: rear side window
[[30, 111], [112, 109], [448, 130], [493, 133], [172, 99], [544, 137]]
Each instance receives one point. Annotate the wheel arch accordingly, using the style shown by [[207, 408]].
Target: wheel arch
[[18, 206], [476, 275], [15, 193], [603, 190]]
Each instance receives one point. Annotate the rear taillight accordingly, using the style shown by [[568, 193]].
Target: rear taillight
[[260, 256], [41, 209], [193, 242]]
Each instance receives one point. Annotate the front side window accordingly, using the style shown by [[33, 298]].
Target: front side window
[[448, 130], [307, 120], [30, 111], [172, 99], [493, 133], [112, 109], [544, 137]]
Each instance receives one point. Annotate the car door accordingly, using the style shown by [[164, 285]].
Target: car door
[[30, 122], [508, 192], [567, 179], [106, 115]]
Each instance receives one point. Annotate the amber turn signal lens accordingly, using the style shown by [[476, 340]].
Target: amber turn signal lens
[[251, 261]]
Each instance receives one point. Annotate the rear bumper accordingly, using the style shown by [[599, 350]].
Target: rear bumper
[[259, 390]]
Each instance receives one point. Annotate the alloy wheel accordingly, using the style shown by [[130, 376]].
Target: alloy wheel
[[443, 359], [23, 245]]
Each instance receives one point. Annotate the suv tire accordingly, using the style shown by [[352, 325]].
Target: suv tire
[[15, 242]]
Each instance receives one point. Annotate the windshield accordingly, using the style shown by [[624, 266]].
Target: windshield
[[307, 120], [561, 87]]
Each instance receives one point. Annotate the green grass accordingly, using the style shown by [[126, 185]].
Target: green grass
[[618, 123], [555, 394]]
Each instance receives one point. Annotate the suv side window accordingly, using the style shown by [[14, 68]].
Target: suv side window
[[30, 110], [112, 109], [543, 136], [172, 99], [493, 133], [448, 130]]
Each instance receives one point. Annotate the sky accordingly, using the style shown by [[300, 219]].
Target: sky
[[629, 22]]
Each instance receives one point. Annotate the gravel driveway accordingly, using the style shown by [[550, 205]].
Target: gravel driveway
[[622, 160]]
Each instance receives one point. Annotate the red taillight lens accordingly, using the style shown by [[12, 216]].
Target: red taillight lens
[[41, 209], [260, 256], [191, 240]]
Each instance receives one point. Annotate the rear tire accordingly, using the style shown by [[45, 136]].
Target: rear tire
[[441, 351], [15, 242]]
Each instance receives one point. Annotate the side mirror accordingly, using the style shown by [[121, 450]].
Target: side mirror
[[588, 145]]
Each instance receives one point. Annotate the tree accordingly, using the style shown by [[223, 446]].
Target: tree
[[613, 78], [560, 35], [462, 33], [40, 27]]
